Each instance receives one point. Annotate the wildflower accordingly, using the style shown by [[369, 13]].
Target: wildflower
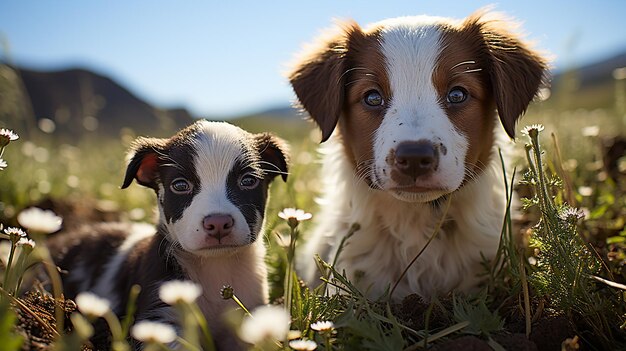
[[585, 190], [15, 234], [153, 332], [227, 292], [532, 130], [3, 164], [294, 216], [571, 214], [176, 291], [322, 326], [303, 345], [26, 242], [38, 220], [267, 323], [7, 136], [590, 131], [298, 214], [92, 305]]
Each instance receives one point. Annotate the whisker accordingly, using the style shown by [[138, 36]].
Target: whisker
[[463, 63], [361, 79], [353, 69], [274, 168]]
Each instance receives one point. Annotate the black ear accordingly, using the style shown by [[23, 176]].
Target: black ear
[[318, 80], [274, 154], [143, 164], [516, 72]]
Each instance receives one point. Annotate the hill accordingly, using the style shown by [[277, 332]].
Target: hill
[[75, 102], [78, 102], [589, 86]]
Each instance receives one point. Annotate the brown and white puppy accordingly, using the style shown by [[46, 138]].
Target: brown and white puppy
[[409, 105], [211, 180]]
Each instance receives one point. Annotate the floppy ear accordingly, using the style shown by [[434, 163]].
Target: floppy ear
[[318, 80], [516, 72], [275, 154], [143, 164]]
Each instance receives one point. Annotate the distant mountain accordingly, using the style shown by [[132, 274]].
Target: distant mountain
[[589, 86], [79, 101], [599, 72]]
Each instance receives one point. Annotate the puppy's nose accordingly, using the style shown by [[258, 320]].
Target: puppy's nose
[[416, 158], [218, 225]]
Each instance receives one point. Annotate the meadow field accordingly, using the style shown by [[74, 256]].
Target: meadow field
[[561, 288]]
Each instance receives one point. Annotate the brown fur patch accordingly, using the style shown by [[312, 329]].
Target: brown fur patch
[[463, 62], [365, 70], [497, 69], [515, 70]]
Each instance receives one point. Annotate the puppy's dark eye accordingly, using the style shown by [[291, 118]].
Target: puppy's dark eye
[[457, 95], [248, 182], [181, 186], [373, 98]]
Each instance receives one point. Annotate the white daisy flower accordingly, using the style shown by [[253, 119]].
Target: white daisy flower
[[294, 216], [297, 214], [585, 190], [3, 164], [176, 291], [14, 234], [38, 220], [303, 345], [92, 305], [322, 326], [26, 242], [533, 128], [7, 136], [153, 332], [590, 131], [267, 323]]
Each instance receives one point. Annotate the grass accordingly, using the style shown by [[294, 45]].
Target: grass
[[571, 267]]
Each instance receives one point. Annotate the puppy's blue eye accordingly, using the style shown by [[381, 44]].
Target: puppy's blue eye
[[373, 98], [248, 181], [457, 95], [181, 186]]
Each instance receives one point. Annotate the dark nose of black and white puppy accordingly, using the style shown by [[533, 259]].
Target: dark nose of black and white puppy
[[416, 158], [218, 225]]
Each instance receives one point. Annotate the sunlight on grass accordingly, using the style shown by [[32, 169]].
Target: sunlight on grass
[[568, 265]]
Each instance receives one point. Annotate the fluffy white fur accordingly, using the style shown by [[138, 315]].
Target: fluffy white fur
[[393, 232]]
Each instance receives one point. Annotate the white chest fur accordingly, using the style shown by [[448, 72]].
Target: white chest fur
[[393, 232]]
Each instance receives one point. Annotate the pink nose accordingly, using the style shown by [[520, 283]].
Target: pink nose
[[218, 225]]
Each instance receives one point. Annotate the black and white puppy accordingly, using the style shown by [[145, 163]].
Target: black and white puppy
[[211, 180]]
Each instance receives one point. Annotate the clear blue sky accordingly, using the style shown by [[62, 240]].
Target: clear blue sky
[[221, 58]]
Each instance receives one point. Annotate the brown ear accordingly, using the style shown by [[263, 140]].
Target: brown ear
[[274, 154], [516, 72], [318, 78], [143, 162]]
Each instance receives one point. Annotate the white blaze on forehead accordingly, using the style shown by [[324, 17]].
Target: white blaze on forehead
[[411, 47], [218, 147]]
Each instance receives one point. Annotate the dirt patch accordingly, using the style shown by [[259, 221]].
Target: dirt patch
[[36, 322]]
